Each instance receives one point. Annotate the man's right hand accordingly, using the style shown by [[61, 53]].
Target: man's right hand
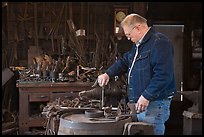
[[103, 79]]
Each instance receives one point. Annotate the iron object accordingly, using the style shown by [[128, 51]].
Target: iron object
[[79, 124], [94, 113]]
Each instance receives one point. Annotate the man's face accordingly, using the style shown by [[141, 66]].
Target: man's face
[[131, 33]]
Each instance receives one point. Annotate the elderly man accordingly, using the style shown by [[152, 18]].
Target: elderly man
[[150, 72]]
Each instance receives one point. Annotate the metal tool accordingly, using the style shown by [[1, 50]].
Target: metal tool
[[101, 119], [102, 96], [95, 83], [119, 117], [115, 118], [102, 92]]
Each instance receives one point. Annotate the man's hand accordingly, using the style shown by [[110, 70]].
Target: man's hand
[[103, 79], [141, 104]]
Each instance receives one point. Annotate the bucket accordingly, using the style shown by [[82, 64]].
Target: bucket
[[79, 124]]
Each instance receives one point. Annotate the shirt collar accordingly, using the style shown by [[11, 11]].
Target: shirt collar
[[140, 41]]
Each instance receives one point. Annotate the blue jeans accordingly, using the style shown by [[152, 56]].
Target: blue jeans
[[157, 114]]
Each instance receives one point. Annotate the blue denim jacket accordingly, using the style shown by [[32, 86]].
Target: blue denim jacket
[[153, 72]]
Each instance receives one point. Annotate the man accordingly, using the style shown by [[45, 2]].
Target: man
[[150, 72]]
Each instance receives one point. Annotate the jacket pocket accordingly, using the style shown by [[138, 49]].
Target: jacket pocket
[[142, 60]]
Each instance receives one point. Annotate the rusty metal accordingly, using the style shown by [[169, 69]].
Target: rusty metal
[[93, 113], [111, 118], [95, 83], [119, 117], [192, 119], [192, 123], [78, 124], [102, 96], [138, 128], [102, 119]]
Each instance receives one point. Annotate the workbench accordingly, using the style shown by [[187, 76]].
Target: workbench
[[32, 93]]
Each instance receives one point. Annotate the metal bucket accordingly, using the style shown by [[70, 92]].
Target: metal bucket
[[79, 124]]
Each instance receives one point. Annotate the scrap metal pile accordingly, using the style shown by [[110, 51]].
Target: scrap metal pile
[[86, 100], [47, 69]]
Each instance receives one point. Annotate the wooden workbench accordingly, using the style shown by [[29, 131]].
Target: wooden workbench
[[31, 93]]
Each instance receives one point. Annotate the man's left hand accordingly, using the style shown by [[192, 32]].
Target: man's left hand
[[141, 104]]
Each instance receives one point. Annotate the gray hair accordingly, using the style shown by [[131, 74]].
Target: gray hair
[[132, 19]]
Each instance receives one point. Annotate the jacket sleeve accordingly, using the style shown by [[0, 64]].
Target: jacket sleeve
[[120, 66]]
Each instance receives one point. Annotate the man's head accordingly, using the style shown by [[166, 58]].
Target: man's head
[[134, 26]]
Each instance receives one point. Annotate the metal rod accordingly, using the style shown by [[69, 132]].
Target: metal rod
[[102, 97]]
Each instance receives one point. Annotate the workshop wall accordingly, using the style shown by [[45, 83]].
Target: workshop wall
[[33, 28], [86, 30]]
